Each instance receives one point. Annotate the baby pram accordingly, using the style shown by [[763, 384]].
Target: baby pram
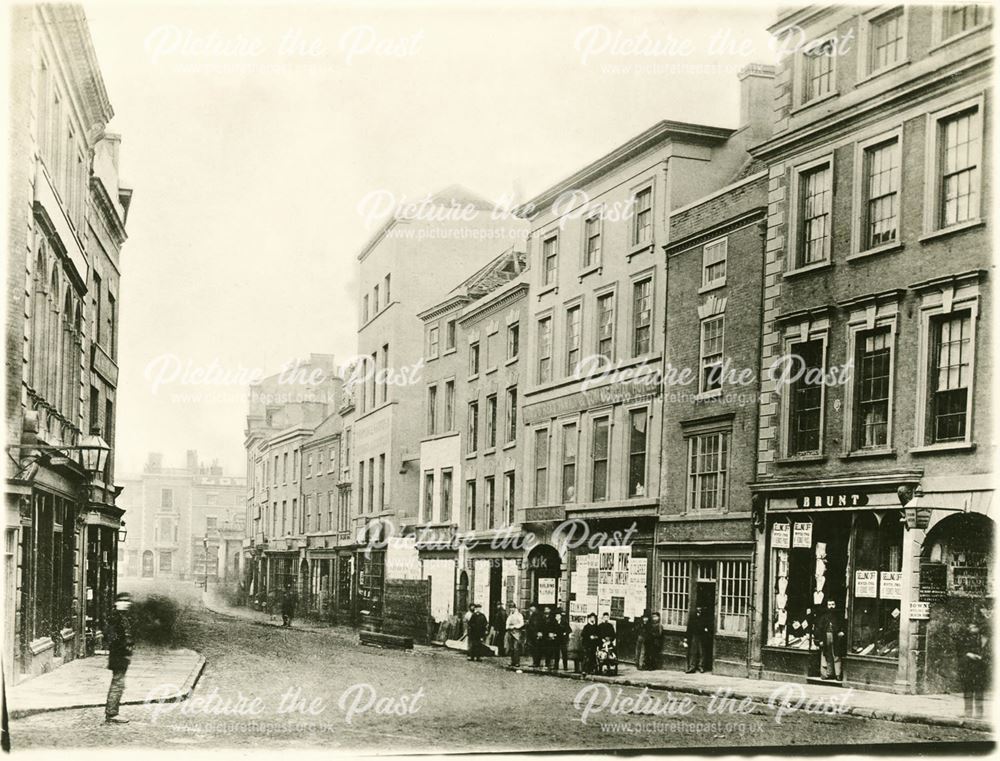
[[607, 658]]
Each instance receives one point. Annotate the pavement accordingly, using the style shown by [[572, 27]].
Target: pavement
[[934, 710], [83, 683]]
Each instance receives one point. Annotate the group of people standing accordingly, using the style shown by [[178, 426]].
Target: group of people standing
[[544, 634]]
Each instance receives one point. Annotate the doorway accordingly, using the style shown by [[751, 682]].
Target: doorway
[[462, 595], [704, 597]]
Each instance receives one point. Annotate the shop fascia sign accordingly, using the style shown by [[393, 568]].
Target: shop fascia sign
[[617, 393], [831, 498]]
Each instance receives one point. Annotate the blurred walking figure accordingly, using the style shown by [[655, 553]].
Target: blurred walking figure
[[642, 633], [590, 639], [973, 651], [120, 644]]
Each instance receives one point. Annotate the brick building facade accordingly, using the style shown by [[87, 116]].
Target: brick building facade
[[875, 486]]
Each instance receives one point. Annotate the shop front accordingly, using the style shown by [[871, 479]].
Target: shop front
[[836, 565], [611, 573], [706, 570], [954, 585], [282, 569], [320, 589], [438, 550], [496, 573]]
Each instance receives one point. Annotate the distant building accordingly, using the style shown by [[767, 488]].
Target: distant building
[[407, 264], [182, 522], [284, 411]]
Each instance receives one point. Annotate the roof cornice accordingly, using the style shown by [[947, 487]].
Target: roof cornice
[[835, 125], [658, 133]]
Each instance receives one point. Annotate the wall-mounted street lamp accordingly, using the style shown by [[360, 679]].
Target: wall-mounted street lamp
[[122, 532], [94, 452], [91, 453]]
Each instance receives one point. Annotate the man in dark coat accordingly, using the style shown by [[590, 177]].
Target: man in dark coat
[[606, 629], [832, 640], [563, 631], [699, 635], [531, 631], [478, 627], [120, 644], [550, 640], [641, 641], [590, 639], [288, 606], [654, 643], [499, 625]]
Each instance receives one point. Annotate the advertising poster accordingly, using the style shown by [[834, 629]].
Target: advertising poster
[[510, 581], [802, 534], [781, 535], [605, 567], [481, 585], [578, 613], [603, 606], [635, 599], [865, 583], [547, 591], [891, 585]]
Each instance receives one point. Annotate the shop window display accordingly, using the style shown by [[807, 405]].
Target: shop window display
[[853, 559], [878, 562]]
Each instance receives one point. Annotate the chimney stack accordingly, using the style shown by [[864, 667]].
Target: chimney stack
[[192, 460], [757, 98]]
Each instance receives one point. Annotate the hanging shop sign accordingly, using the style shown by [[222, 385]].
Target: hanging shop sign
[[802, 534], [866, 583], [831, 498], [891, 585], [781, 535]]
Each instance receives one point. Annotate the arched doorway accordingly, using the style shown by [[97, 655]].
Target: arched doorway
[[545, 567], [956, 565]]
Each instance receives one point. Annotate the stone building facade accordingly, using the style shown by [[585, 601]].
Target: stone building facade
[[183, 523], [66, 225]]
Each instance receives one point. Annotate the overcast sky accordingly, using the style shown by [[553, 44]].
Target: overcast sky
[[252, 132]]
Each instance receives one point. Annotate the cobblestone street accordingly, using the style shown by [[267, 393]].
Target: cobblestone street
[[448, 704]]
